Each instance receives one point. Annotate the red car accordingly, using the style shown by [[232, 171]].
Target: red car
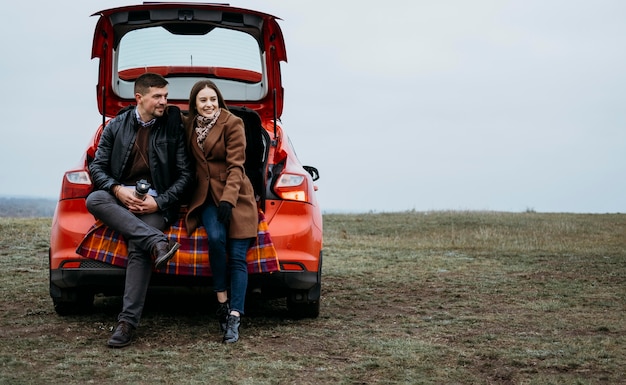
[[240, 50]]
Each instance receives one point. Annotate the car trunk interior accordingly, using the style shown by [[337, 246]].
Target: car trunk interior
[[257, 148]]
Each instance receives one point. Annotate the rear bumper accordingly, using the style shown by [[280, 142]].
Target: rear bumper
[[294, 280], [109, 280]]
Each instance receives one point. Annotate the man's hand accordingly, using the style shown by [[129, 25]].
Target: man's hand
[[126, 196], [146, 206]]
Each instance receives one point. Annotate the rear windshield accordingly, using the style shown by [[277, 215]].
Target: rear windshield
[[230, 58]]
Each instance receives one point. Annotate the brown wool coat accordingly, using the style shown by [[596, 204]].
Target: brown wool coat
[[220, 176]]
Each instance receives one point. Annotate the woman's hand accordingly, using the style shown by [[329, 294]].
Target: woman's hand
[[224, 212]]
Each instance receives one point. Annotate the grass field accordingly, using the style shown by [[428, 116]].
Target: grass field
[[408, 298]]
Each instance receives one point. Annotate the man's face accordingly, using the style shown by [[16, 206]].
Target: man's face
[[152, 104]]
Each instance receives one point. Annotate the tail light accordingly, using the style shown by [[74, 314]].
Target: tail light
[[76, 184], [293, 187]]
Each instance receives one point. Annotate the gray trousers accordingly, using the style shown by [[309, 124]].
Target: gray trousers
[[141, 233]]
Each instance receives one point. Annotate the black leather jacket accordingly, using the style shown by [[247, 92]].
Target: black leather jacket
[[167, 154]]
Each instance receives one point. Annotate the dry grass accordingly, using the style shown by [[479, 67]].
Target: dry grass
[[408, 298]]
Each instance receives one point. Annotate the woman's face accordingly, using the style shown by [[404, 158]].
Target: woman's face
[[206, 102]]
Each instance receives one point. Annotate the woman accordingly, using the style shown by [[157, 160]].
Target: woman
[[223, 200]]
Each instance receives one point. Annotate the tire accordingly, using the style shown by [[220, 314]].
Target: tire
[[306, 304], [300, 310], [81, 303]]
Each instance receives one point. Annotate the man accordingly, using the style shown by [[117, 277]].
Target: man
[[144, 143]]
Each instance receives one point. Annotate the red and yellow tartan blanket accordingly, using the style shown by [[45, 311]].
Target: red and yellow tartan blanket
[[192, 258]]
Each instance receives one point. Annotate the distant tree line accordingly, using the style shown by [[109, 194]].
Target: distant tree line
[[27, 207]]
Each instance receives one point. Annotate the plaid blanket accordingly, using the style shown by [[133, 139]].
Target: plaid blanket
[[192, 258]]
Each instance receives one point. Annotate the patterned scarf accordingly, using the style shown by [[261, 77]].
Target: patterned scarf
[[203, 125]]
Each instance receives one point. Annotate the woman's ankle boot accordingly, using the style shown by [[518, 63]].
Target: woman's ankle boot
[[222, 312], [232, 329]]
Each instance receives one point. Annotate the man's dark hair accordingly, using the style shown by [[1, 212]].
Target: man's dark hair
[[147, 80]]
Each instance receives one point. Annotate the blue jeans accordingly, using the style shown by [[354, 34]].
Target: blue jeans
[[223, 268]]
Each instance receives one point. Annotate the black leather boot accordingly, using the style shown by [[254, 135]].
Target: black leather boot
[[164, 251], [222, 312], [122, 336], [232, 329]]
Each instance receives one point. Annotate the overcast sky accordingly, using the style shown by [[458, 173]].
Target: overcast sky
[[401, 105]]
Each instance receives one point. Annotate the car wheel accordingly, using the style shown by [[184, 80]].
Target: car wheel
[[305, 304], [303, 309], [81, 304]]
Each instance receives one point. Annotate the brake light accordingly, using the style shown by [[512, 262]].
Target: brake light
[[76, 184], [292, 187]]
